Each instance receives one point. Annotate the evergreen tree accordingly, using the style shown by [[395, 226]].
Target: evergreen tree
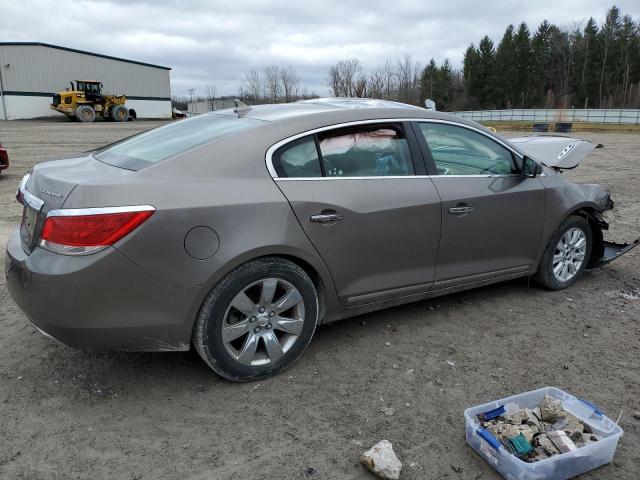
[[505, 87]]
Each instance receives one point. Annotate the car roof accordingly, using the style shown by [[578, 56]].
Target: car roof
[[283, 120], [343, 109]]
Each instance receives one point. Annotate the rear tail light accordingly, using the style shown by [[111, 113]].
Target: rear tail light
[[84, 231]]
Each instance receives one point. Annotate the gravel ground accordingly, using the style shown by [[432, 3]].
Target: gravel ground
[[74, 414]]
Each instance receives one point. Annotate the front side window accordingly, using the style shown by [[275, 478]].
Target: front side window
[[298, 159], [461, 151], [172, 139], [365, 151]]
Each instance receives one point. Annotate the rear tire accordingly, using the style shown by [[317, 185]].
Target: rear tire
[[257, 320], [132, 114], [567, 254], [85, 113], [119, 113]]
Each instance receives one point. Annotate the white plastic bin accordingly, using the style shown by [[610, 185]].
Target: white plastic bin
[[558, 467]]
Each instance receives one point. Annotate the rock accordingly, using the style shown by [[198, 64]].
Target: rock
[[517, 417], [636, 415], [551, 409], [382, 461], [548, 446], [571, 424], [388, 411], [507, 430], [456, 468]]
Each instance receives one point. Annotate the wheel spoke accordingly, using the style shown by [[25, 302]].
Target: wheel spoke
[[289, 325], [581, 242], [288, 300], [557, 258], [573, 236], [268, 290], [243, 303], [564, 272], [557, 270], [272, 344], [235, 330], [248, 350]]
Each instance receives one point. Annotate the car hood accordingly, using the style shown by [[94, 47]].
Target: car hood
[[555, 152]]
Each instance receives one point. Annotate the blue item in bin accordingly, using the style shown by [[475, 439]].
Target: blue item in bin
[[491, 414], [493, 441], [596, 410], [557, 467]]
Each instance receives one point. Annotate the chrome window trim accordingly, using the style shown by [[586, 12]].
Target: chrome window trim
[[377, 177], [271, 150], [29, 199], [75, 212]]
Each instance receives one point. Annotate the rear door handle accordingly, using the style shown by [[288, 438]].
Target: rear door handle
[[459, 210], [326, 217]]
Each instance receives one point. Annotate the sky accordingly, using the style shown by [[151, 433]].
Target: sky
[[211, 42]]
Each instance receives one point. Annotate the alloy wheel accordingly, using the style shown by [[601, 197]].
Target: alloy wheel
[[569, 254], [263, 322]]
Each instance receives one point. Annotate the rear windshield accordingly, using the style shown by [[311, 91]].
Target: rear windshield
[[161, 143]]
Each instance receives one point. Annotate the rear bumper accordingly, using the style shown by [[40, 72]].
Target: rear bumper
[[101, 301]]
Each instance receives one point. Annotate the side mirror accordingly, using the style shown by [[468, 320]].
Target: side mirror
[[530, 167]]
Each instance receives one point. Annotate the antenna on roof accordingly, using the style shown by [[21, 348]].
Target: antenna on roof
[[241, 108]]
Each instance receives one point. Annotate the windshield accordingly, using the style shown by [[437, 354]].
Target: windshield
[[164, 142]]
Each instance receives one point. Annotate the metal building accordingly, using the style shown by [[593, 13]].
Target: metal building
[[31, 72]]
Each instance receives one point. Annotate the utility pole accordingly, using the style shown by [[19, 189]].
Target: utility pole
[[193, 97], [4, 103]]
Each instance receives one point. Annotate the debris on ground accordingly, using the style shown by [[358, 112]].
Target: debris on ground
[[388, 411], [631, 294], [636, 415], [539, 433], [382, 461]]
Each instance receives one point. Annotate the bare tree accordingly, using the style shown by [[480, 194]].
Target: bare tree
[[290, 83], [407, 76], [342, 77], [254, 86], [376, 83], [211, 96], [360, 85], [273, 87]]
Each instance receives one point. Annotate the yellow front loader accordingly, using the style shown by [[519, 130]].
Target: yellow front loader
[[85, 101]]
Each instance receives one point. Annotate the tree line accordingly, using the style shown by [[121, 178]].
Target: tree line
[[590, 66]]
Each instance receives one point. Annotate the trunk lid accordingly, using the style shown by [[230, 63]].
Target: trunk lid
[[50, 184]]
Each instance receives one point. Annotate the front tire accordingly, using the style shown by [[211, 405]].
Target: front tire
[[258, 320], [567, 254], [119, 113]]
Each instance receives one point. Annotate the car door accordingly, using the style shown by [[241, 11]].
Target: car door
[[492, 214], [361, 194]]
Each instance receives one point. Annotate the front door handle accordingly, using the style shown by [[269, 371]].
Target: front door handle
[[460, 210], [326, 217]]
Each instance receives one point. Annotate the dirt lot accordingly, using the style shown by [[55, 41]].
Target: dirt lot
[[74, 414]]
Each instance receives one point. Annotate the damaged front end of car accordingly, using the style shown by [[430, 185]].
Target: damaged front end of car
[[564, 153], [605, 251]]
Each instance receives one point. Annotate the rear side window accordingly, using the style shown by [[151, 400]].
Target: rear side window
[[366, 151], [178, 137], [298, 159]]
